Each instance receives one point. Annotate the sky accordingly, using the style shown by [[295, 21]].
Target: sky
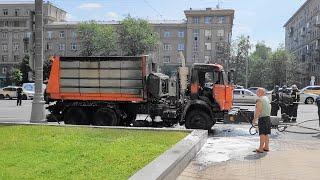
[[262, 20]]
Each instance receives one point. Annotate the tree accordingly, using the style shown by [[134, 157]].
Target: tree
[[16, 76], [239, 56], [285, 68], [25, 68], [96, 39], [259, 66], [47, 68], [137, 37]]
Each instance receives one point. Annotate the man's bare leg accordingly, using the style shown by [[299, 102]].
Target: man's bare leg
[[262, 142], [266, 146]]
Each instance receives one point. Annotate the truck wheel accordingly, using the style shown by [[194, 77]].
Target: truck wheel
[[197, 119], [105, 117], [75, 116], [1, 96]]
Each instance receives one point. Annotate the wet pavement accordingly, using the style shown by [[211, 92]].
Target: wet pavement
[[228, 152]]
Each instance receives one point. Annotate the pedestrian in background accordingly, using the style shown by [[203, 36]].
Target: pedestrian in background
[[262, 115], [275, 101], [19, 96], [318, 104], [295, 96]]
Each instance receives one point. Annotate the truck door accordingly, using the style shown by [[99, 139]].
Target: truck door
[[219, 89], [229, 92]]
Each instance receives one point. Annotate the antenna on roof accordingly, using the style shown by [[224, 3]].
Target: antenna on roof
[[218, 4]]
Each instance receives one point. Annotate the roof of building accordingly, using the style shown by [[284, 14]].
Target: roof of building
[[29, 3], [296, 13], [118, 22]]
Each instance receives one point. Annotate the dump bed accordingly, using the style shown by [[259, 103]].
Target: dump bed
[[98, 78]]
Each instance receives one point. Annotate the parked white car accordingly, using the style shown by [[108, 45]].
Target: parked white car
[[307, 98], [10, 92], [244, 96], [28, 88]]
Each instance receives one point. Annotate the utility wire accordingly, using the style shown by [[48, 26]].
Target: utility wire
[[154, 9]]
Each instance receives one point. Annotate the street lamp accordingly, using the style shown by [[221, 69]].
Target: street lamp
[[37, 114]]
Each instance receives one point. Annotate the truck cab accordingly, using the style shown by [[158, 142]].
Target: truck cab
[[210, 97]]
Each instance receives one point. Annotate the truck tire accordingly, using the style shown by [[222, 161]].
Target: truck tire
[[1, 96], [198, 119], [75, 116], [105, 117]]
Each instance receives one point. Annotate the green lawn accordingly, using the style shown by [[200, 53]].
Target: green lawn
[[46, 152]]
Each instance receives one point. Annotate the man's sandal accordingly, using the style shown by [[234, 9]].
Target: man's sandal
[[266, 150], [257, 151]]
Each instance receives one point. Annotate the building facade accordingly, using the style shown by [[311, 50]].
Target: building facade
[[204, 36], [17, 31], [303, 39]]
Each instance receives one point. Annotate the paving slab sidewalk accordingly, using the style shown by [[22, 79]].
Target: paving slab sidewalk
[[293, 160]]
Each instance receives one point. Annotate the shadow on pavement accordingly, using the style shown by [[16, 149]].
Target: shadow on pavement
[[255, 156]]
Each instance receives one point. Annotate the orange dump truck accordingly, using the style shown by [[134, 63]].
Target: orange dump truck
[[113, 91]]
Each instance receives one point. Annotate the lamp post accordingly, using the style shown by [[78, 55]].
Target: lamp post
[[37, 114]]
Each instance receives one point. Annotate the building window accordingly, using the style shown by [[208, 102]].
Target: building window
[[16, 58], [16, 24], [49, 33], [16, 35], [62, 47], [16, 12], [28, 12], [207, 19], [220, 33], [167, 34], [49, 46], [74, 46], [4, 58], [196, 34], [166, 59], [61, 35], [207, 33], [16, 46], [4, 70], [195, 46], [27, 35], [208, 46], [181, 34], [4, 47], [196, 20], [5, 35], [207, 59], [6, 23], [180, 47], [74, 34], [222, 19], [167, 47], [5, 12]]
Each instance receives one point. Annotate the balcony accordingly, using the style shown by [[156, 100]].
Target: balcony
[[317, 23], [317, 46]]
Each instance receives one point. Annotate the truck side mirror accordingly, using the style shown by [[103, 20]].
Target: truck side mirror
[[231, 76]]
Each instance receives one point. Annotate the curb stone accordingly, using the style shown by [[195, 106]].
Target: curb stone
[[171, 163]]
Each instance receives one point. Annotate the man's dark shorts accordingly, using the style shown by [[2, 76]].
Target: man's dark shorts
[[264, 125]]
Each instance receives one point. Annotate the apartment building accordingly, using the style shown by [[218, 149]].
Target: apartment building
[[17, 29], [303, 39], [204, 36]]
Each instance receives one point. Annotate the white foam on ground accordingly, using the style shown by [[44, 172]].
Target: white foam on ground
[[226, 148]]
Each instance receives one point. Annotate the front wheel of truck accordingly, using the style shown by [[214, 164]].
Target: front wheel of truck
[[198, 119], [105, 117]]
